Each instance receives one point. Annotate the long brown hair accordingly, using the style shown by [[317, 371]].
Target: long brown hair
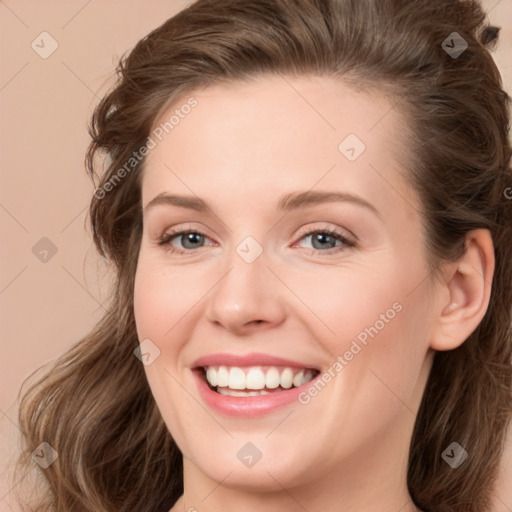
[[94, 406]]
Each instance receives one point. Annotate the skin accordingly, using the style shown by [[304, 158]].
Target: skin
[[242, 148]]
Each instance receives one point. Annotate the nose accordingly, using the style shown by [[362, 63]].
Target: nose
[[248, 298]]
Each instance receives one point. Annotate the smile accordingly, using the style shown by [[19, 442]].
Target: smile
[[255, 380], [250, 385]]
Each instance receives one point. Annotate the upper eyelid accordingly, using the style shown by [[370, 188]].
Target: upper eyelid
[[302, 231], [342, 232]]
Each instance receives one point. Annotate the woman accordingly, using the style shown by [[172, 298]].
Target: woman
[[340, 338]]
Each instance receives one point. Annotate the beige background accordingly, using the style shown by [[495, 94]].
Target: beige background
[[44, 191]]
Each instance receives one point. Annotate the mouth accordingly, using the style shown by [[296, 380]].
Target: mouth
[[250, 385], [248, 381]]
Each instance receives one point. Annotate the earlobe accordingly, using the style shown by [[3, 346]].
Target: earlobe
[[467, 284]]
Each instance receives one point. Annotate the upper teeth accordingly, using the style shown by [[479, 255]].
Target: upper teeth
[[257, 377]]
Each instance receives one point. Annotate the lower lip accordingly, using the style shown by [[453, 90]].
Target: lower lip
[[249, 406]]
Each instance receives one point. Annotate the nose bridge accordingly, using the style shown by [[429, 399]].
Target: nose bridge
[[247, 294]]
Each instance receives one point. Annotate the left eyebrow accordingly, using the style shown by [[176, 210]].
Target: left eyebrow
[[288, 202], [297, 200]]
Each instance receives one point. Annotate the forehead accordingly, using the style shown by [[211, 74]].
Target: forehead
[[263, 138]]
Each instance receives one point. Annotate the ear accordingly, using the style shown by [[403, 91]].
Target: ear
[[464, 292]]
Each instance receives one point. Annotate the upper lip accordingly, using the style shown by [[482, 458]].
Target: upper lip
[[254, 359]]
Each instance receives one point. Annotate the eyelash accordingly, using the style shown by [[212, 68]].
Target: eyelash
[[167, 237]]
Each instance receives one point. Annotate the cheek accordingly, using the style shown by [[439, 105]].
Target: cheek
[[350, 302], [379, 322], [161, 313], [163, 299], [383, 355]]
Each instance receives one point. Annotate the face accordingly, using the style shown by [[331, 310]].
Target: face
[[302, 256]]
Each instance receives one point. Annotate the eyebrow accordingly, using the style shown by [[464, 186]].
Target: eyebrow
[[287, 203]]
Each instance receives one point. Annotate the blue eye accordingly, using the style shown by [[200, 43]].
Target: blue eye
[[190, 240], [325, 238], [322, 238]]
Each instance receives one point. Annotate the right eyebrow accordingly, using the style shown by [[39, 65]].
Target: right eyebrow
[[190, 202]]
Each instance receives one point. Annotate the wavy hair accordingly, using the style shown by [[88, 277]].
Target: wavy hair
[[93, 404]]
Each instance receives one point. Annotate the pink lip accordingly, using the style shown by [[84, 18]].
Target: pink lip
[[250, 406], [254, 359]]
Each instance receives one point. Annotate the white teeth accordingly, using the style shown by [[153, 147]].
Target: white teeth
[[272, 378], [255, 378], [236, 378], [287, 378], [222, 377], [298, 379], [211, 376]]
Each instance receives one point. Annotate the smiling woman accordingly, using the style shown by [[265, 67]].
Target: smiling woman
[[313, 299]]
